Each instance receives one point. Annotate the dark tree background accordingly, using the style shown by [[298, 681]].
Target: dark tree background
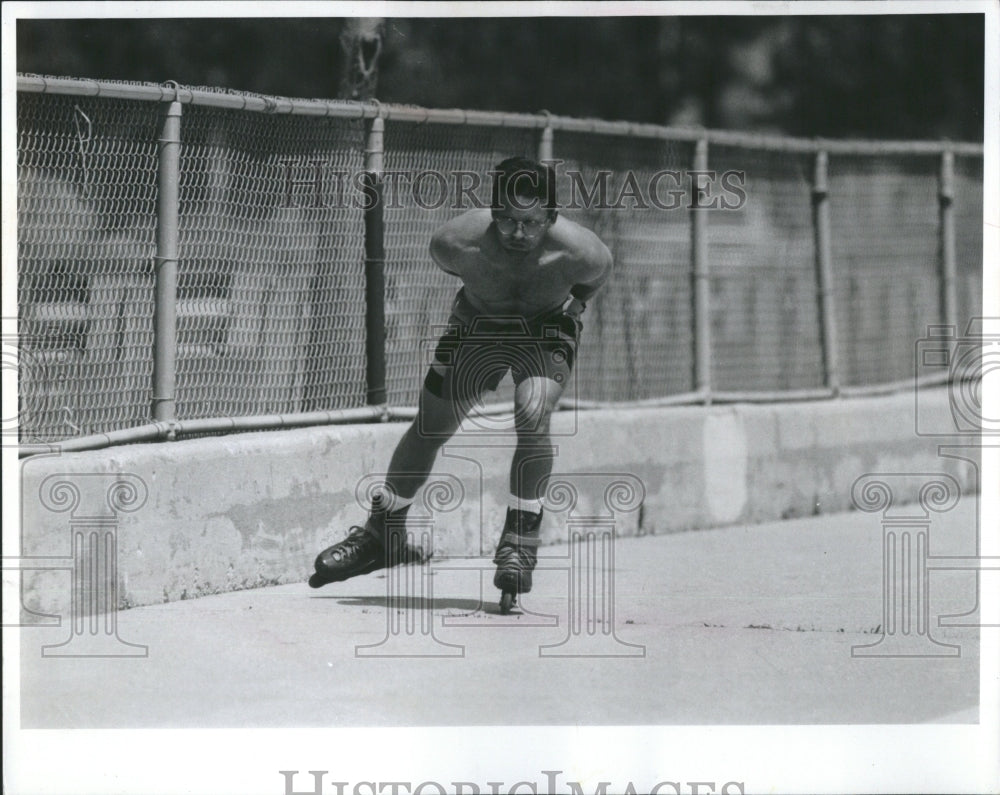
[[917, 76]]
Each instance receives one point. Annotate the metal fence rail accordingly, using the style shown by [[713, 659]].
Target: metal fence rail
[[189, 255]]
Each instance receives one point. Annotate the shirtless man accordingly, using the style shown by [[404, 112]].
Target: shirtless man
[[527, 274]]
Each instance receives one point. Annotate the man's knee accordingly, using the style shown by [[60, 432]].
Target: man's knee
[[437, 418], [533, 417], [534, 402]]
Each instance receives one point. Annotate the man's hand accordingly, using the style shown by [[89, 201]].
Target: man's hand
[[571, 311], [574, 307]]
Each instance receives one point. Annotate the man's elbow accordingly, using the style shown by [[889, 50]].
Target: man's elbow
[[438, 248], [606, 267], [603, 264], [607, 263], [436, 244], [441, 254]]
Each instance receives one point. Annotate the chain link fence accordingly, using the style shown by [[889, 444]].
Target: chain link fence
[[275, 277], [887, 283], [765, 329], [86, 212], [269, 297], [637, 340]]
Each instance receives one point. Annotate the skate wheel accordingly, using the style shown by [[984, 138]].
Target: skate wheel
[[507, 601], [317, 581]]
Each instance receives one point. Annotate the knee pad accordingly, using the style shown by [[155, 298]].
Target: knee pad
[[434, 383]]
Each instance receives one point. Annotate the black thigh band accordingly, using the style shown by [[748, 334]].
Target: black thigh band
[[434, 382]]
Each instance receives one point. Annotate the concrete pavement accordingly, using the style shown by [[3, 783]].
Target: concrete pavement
[[740, 625]]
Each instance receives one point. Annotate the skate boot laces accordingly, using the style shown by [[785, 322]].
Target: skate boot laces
[[519, 539], [359, 543]]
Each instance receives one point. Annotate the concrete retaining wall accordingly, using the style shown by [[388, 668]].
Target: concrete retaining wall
[[217, 514]]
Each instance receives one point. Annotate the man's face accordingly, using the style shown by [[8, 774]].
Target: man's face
[[521, 228]]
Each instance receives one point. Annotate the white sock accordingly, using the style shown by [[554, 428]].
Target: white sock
[[392, 501], [531, 506]]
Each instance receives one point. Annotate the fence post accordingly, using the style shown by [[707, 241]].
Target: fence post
[[824, 272], [946, 196], [374, 266], [545, 144], [701, 287], [165, 310]]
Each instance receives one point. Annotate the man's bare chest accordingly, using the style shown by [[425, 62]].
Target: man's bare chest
[[533, 282]]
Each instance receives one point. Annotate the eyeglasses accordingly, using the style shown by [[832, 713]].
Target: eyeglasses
[[508, 226]]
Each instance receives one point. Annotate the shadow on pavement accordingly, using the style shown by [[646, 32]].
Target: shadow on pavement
[[413, 603]]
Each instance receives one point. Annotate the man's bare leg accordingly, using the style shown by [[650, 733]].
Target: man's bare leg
[[413, 459], [370, 547], [517, 552], [534, 401]]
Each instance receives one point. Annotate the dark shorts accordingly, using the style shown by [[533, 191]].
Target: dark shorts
[[475, 353]]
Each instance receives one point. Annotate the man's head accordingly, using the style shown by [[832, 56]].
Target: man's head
[[524, 202]]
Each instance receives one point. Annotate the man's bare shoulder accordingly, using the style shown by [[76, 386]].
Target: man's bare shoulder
[[465, 230], [580, 244], [452, 243]]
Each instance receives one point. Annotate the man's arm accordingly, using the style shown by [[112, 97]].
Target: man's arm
[[452, 243], [444, 251], [597, 263]]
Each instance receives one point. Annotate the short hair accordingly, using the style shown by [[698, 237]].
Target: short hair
[[521, 182]]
